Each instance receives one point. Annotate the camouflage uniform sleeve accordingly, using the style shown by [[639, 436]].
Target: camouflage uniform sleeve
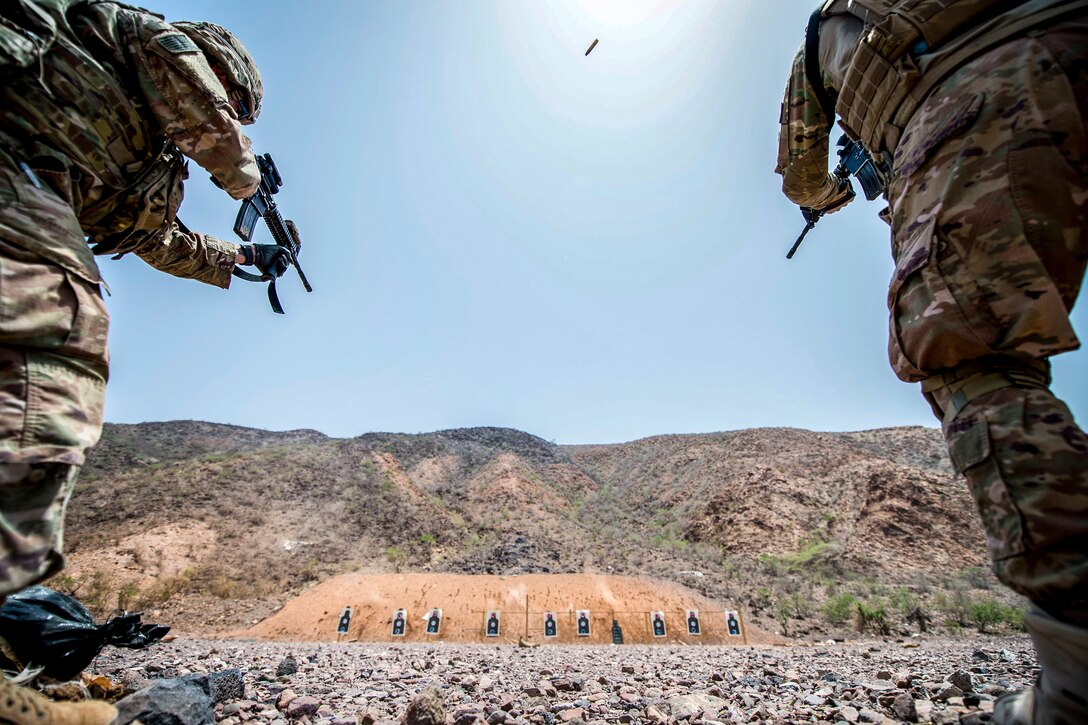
[[191, 255], [191, 105], [803, 146]]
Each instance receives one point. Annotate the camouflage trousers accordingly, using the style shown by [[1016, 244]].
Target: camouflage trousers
[[989, 209], [33, 497], [53, 370]]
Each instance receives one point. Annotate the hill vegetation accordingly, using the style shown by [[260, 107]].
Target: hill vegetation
[[214, 526]]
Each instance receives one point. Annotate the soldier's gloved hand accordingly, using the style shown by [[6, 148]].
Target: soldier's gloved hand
[[271, 259], [844, 195]]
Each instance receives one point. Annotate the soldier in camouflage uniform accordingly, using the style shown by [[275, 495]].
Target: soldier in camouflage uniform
[[96, 117], [976, 112]]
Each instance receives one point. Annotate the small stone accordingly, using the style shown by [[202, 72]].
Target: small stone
[[961, 680], [655, 715], [133, 680], [574, 713], [429, 708], [465, 718], [849, 714], [303, 706], [285, 699], [186, 700], [227, 685], [903, 708], [948, 693], [687, 707], [287, 667]]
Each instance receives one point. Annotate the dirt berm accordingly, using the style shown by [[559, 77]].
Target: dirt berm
[[522, 601]]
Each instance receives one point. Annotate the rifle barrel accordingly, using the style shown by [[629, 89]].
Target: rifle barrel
[[806, 230]]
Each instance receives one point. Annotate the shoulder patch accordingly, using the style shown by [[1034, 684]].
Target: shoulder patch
[[176, 43]]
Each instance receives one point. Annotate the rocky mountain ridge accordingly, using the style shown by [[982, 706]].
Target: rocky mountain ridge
[[220, 513]]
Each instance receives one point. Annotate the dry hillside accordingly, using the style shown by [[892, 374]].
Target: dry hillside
[[216, 525]]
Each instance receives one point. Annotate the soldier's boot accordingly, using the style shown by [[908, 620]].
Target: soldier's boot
[[1060, 695], [24, 706]]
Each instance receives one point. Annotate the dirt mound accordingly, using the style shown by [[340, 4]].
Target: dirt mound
[[147, 557], [522, 602]]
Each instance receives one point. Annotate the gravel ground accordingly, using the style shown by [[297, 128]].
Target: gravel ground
[[924, 680]]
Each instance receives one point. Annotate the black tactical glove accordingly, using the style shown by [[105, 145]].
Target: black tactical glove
[[272, 259]]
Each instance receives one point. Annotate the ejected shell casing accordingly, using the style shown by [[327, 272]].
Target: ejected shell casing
[[592, 46]]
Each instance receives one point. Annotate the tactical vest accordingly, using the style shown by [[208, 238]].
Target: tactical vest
[[76, 116], [909, 46], [27, 30]]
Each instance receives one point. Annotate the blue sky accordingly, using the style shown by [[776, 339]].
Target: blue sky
[[502, 231]]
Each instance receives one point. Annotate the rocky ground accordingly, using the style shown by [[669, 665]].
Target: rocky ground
[[936, 680]]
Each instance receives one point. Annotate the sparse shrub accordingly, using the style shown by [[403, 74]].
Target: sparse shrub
[[1014, 617], [66, 584], [709, 553], [903, 601], [800, 602], [985, 613], [955, 605], [875, 586], [989, 612], [872, 617], [671, 542], [783, 612], [839, 608], [396, 557], [222, 587], [126, 595], [99, 589], [771, 565], [977, 577], [162, 590]]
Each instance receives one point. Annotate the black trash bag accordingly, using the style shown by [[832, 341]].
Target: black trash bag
[[48, 629]]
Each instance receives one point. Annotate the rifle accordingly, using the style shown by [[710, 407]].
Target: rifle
[[854, 161], [262, 205]]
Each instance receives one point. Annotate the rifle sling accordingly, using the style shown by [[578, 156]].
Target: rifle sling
[[273, 298], [812, 67], [247, 276]]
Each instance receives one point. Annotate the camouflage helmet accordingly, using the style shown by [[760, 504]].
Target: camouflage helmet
[[222, 48]]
